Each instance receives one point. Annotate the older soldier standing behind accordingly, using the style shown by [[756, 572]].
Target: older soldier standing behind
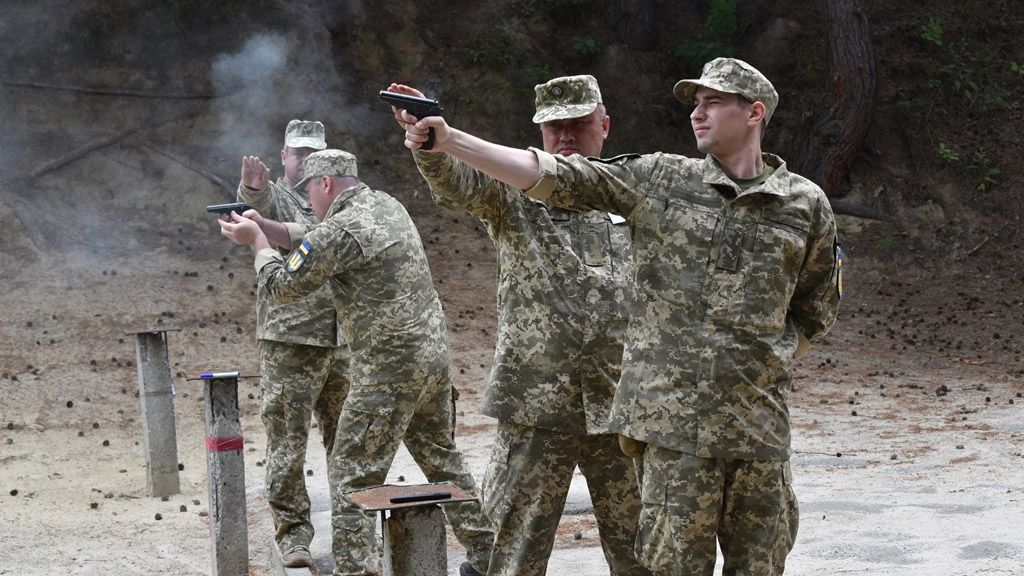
[[562, 298], [737, 263], [303, 359], [368, 251]]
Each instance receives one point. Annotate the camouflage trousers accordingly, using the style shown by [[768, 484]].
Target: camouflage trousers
[[296, 381], [688, 501], [525, 488], [374, 420]]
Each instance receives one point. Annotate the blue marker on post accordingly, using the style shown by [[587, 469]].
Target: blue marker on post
[[215, 375]]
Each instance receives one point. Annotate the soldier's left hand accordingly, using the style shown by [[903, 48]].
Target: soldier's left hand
[[239, 229], [255, 173]]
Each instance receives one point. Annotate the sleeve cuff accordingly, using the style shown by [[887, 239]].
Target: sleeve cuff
[[544, 187], [296, 232], [266, 256]]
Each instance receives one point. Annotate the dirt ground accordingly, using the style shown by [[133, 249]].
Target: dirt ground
[[909, 442]]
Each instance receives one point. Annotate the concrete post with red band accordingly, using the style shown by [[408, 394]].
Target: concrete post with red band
[[225, 467]]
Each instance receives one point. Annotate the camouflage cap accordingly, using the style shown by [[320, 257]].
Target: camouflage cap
[[305, 134], [566, 97], [332, 162], [734, 77]]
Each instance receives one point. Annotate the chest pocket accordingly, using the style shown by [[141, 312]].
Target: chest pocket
[[674, 251], [596, 232], [757, 260], [736, 238]]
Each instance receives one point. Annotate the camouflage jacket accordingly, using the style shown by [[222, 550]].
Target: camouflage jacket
[[724, 281], [562, 300], [312, 320], [368, 251]]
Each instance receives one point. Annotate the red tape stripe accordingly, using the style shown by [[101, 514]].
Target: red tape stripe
[[223, 444]]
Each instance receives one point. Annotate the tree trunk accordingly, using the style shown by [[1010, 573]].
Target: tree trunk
[[836, 140], [633, 23]]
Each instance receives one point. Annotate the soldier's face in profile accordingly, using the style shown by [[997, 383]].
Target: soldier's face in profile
[[721, 121], [318, 199], [584, 135], [291, 159]]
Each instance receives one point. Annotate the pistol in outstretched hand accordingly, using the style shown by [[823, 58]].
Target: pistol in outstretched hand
[[418, 107]]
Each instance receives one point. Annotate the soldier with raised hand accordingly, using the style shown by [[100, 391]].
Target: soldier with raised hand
[[303, 358], [368, 253], [736, 265], [563, 293]]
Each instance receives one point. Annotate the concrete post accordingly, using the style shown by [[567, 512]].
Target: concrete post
[[225, 468], [156, 397], [414, 542], [414, 536]]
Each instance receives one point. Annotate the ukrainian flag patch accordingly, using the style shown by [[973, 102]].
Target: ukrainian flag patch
[[839, 270], [298, 257]]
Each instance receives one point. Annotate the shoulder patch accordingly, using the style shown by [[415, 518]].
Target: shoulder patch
[[839, 268], [298, 257], [615, 159]]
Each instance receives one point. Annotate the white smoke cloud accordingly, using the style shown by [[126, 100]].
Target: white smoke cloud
[[254, 93]]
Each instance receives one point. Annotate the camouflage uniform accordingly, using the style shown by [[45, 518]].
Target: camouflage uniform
[[562, 299], [368, 251], [725, 279], [303, 366]]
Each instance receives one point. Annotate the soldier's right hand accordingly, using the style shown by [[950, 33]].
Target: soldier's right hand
[[255, 173]]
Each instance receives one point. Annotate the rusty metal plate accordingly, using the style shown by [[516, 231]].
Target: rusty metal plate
[[146, 330], [381, 497]]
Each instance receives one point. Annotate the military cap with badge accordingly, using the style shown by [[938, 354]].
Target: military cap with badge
[[731, 76]]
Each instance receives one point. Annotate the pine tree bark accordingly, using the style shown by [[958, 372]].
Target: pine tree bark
[[835, 140]]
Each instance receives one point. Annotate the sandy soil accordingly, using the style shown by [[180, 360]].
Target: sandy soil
[[909, 442]]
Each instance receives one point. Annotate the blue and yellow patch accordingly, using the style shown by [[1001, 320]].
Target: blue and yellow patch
[[839, 270], [298, 257]]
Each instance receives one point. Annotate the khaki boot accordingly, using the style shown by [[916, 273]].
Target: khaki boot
[[297, 556]]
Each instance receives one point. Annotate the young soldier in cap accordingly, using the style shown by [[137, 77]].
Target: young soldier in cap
[[563, 292], [368, 252], [303, 359], [736, 263]]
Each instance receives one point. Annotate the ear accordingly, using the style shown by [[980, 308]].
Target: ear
[[757, 111], [606, 123], [284, 152]]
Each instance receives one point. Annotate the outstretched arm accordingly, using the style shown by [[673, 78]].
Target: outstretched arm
[[513, 166], [276, 232]]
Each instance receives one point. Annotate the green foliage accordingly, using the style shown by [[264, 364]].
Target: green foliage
[[530, 8], [496, 51], [695, 54], [721, 22], [586, 46], [888, 241], [989, 174], [961, 70], [719, 29], [1017, 69], [947, 154], [533, 75], [931, 31], [912, 102]]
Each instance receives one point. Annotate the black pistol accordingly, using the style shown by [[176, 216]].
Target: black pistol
[[418, 107], [227, 209]]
